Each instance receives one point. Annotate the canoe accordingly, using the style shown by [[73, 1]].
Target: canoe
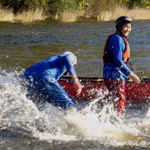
[[135, 93]]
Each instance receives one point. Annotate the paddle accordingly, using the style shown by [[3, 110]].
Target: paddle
[[130, 65]]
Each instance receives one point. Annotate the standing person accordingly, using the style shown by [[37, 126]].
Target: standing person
[[42, 85], [116, 56]]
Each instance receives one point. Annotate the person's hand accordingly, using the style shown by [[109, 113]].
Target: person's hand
[[135, 78], [76, 84], [77, 87]]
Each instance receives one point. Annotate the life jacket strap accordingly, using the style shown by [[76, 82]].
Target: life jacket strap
[[126, 60]]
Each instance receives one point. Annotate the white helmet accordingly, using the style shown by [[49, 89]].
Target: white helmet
[[71, 55]]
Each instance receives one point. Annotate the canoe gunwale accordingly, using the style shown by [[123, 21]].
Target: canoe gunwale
[[99, 79]]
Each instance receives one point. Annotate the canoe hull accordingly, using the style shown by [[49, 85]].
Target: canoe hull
[[135, 93]]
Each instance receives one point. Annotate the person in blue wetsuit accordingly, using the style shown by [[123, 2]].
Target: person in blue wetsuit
[[41, 81], [116, 56]]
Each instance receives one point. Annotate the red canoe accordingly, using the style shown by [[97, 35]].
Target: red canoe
[[135, 93]]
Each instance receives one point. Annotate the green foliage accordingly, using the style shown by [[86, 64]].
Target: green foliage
[[82, 3], [64, 5], [20, 5], [137, 3], [53, 6]]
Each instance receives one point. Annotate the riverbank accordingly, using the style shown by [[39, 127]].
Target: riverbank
[[26, 16], [73, 16]]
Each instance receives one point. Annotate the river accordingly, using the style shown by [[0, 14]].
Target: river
[[23, 126]]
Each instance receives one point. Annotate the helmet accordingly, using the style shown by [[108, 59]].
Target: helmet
[[121, 21], [72, 57]]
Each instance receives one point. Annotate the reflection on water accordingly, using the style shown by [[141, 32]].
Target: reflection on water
[[92, 127]]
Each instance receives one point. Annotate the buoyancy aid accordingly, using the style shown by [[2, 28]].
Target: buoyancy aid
[[108, 55]]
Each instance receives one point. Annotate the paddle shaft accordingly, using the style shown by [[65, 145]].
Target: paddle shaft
[[130, 65]]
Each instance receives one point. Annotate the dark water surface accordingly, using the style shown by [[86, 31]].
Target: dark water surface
[[23, 127]]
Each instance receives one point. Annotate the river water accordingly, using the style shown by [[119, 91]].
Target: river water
[[23, 126]]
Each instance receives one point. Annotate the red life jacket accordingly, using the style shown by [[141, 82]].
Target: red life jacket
[[108, 55]]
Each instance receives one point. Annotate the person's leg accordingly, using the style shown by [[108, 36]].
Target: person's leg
[[117, 92], [34, 88], [122, 99], [56, 95], [47, 90]]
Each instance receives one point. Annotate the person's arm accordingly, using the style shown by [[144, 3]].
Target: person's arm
[[76, 84], [135, 78], [117, 48], [70, 67]]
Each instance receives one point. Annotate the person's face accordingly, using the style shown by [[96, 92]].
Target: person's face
[[126, 29]]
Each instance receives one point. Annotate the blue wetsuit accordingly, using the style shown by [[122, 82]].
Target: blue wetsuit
[[119, 70], [115, 73], [42, 85]]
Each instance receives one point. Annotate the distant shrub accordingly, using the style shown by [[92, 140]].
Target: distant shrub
[[54, 6], [61, 5], [137, 3], [21, 5]]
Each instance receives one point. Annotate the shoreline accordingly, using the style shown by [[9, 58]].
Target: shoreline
[[73, 16]]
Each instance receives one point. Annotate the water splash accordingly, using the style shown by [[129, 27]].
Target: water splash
[[101, 124]]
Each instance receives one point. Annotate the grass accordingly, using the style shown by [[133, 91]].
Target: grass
[[71, 10], [135, 14]]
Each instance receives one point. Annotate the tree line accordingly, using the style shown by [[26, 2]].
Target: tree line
[[54, 6]]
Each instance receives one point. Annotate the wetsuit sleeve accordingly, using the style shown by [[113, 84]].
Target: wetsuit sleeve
[[69, 65], [117, 46]]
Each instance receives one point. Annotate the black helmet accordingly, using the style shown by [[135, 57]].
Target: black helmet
[[121, 21]]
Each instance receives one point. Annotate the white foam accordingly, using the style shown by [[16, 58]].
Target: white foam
[[100, 124]]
